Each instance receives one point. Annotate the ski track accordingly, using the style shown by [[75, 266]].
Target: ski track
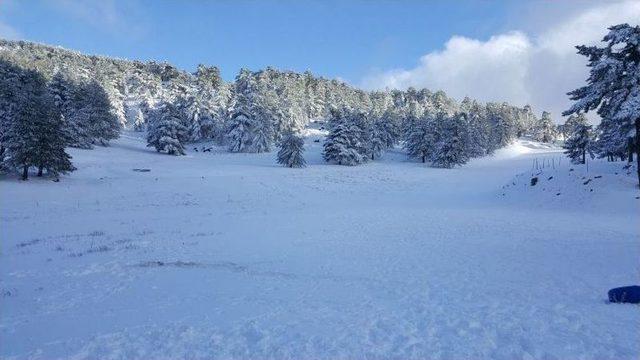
[[217, 255]]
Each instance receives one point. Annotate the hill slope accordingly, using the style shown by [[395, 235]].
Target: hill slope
[[218, 255]]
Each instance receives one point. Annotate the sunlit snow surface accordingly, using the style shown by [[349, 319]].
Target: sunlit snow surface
[[217, 255]]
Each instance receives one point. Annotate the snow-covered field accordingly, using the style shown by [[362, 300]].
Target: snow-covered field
[[217, 255]]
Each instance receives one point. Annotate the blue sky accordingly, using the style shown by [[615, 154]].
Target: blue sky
[[333, 38], [490, 50]]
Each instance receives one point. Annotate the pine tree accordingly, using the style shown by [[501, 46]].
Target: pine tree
[[166, 132], [572, 122], [376, 141], [35, 135], [69, 97], [52, 140], [451, 148], [579, 143], [613, 88], [383, 133], [97, 110], [545, 130], [250, 127], [611, 141], [9, 93], [262, 135], [291, 149], [247, 130], [239, 131], [478, 128], [344, 144], [421, 137]]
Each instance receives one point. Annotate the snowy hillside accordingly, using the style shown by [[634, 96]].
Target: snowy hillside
[[218, 255]]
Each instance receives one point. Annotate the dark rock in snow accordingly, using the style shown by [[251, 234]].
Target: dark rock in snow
[[534, 181]]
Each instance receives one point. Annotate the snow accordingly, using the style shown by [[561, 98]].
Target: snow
[[218, 255]]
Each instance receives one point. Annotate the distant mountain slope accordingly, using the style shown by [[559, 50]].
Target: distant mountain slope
[[135, 87]]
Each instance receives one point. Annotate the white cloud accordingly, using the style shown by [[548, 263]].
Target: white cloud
[[516, 67], [464, 66]]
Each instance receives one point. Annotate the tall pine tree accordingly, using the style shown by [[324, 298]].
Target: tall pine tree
[[166, 132], [35, 136], [451, 148], [345, 144], [613, 88], [421, 138], [291, 149], [579, 143]]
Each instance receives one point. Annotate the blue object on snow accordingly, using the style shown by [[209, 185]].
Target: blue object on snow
[[625, 294]]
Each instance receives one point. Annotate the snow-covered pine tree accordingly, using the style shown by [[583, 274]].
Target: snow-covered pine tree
[[35, 135], [527, 121], [478, 128], [95, 112], [291, 149], [208, 76], [613, 87], [570, 124], [389, 126], [421, 137], [247, 132], [344, 144], [69, 97], [262, 135], [545, 130], [52, 140], [451, 148], [166, 131], [9, 90], [239, 129], [503, 125], [250, 127], [191, 109], [376, 140], [579, 143], [611, 142]]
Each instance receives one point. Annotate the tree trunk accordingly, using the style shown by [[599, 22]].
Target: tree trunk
[[630, 147], [424, 159], [25, 172], [40, 170], [584, 156], [638, 148]]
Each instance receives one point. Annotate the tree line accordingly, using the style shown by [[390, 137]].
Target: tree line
[[39, 118], [97, 96]]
